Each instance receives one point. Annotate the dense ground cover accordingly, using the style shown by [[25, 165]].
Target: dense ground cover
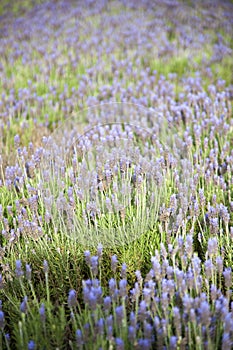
[[116, 174]]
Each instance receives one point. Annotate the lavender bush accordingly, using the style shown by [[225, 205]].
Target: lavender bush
[[116, 175]]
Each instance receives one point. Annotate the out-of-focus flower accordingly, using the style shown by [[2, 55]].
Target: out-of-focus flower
[[45, 267], [72, 298], [2, 319], [23, 305], [42, 313], [18, 270], [31, 345]]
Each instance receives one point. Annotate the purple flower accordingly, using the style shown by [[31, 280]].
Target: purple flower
[[7, 337], [202, 197], [148, 329], [212, 246], [142, 310], [214, 225], [86, 332], [123, 270], [17, 140], [87, 255], [228, 322], [131, 334], [228, 277], [139, 276], [79, 338], [94, 265], [112, 286], [147, 294], [209, 268], [100, 250], [114, 262], [226, 341], [92, 300], [144, 344], [132, 319], [189, 245], [224, 214], [123, 288], [156, 268], [18, 270], [23, 305], [119, 344], [100, 327], [219, 264], [28, 272], [2, 319], [1, 282], [109, 321], [31, 345], [72, 298], [173, 342], [42, 313], [119, 315], [115, 295], [135, 292], [204, 311], [107, 303], [45, 267], [109, 332]]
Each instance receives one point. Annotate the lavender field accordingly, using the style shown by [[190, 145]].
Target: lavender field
[[116, 174]]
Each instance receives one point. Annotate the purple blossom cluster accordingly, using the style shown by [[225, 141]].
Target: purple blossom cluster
[[172, 305], [164, 304], [150, 153], [51, 48]]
